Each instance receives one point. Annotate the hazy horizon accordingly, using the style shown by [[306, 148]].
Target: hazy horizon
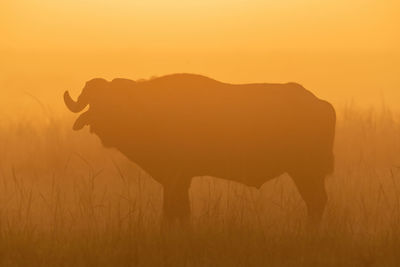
[[184, 171], [340, 51]]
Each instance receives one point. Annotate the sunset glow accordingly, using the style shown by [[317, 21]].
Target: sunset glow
[[200, 133], [343, 50]]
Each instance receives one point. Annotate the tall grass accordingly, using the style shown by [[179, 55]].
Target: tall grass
[[67, 201]]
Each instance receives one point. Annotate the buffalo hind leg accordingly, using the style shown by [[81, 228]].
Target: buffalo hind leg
[[312, 189], [176, 204]]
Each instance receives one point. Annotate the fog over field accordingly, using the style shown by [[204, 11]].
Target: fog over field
[[66, 200]]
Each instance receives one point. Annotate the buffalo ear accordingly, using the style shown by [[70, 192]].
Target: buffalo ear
[[81, 121]]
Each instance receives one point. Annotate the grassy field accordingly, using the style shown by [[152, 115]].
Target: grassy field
[[66, 201]]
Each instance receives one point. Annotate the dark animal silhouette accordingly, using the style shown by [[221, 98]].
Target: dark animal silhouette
[[184, 125]]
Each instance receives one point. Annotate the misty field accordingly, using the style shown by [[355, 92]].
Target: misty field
[[67, 201]]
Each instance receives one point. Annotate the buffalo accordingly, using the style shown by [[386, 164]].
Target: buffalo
[[180, 126]]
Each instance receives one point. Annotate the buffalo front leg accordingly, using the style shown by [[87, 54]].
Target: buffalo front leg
[[312, 189], [176, 205]]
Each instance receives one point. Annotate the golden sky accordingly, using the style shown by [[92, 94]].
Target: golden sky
[[341, 50]]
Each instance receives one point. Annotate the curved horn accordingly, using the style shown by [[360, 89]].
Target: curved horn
[[72, 105]]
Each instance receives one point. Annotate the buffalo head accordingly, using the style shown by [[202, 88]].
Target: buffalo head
[[91, 95]]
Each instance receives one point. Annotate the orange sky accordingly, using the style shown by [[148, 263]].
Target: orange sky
[[340, 50]]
